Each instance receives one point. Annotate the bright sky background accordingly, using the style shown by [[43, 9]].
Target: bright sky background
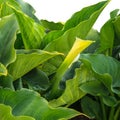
[[61, 10]]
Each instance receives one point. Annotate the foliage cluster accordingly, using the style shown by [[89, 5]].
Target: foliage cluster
[[40, 77]]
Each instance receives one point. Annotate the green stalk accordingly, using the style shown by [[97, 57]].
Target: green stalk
[[117, 114], [103, 109], [110, 52], [111, 117]]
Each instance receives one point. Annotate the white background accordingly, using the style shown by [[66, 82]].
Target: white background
[[61, 10]]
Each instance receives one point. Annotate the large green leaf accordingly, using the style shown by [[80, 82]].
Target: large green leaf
[[106, 68], [27, 60], [84, 15], [8, 28], [32, 32], [29, 103], [6, 114]]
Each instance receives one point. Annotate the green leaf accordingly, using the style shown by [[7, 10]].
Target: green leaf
[[101, 84], [106, 68], [6, 114], [84, 15], [91, 108], [69, 74], [72, 91], [110, 101], [80, 29], [114, 13], [3, 70], [6, 10], [27, 60], [49, 68], [19, 42], [29, 103], [93, 35], [19, 5], [49, 37], [107, 36], [8, 28], [37, 80], [32, 32], [116, 23], [6, 82], [95, 88], [51, 25], [27, 9]]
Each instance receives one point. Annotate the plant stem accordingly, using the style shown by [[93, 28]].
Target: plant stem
[[103, 109], [117, 114], [110, 52], [111, 115]]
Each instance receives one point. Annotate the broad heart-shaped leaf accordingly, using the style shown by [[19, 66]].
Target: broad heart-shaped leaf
[[93, 84], [26, 60], [78, 46], [32, 32], [8, 28], [106, 68], [66, 38], [29, 103], [6, 114]]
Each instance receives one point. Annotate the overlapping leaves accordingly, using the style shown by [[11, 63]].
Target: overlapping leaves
[[6, 113], [106, 73], [29, 103], [67, 36], [46, 71]]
